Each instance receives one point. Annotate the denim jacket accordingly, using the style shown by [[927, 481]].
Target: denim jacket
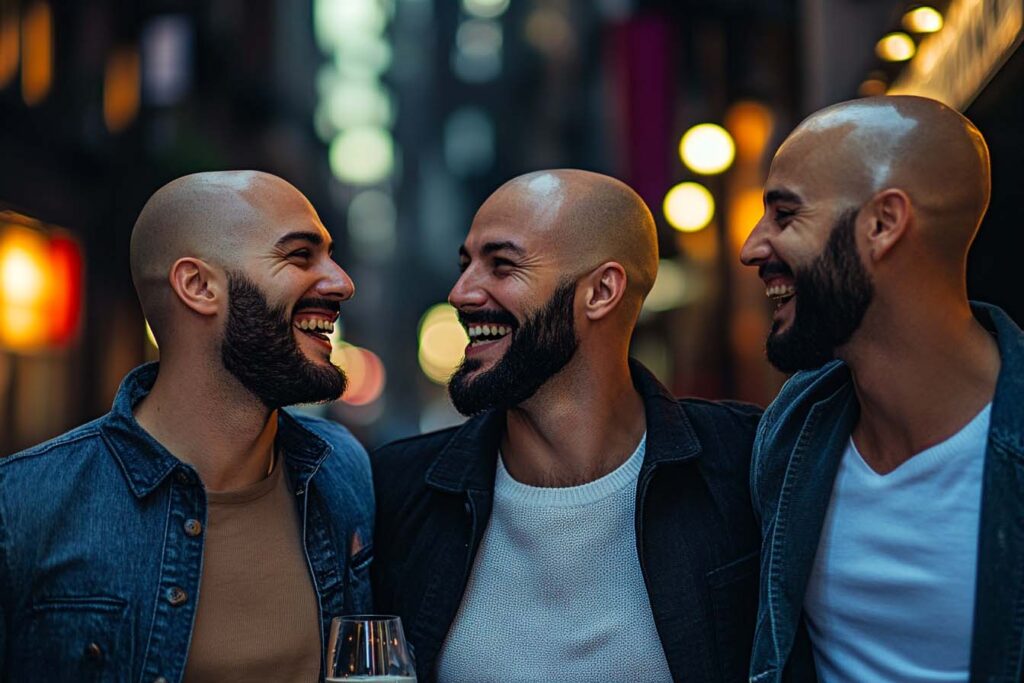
[[697, 539], [800, 442], [101, 543]]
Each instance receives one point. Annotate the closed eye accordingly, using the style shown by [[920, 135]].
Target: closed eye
[[301, 253]]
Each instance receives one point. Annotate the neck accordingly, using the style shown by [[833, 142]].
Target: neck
[[921, 375], [582, 424], [204, 417]]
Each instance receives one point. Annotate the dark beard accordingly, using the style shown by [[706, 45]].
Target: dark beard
[[260, 350], [538, 350], [832, 296]]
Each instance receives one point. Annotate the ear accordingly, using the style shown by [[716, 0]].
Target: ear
[[605, 287], [197, 285], [891, 214]]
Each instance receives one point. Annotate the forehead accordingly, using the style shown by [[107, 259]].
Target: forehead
[[816, 166], [526, 213], [277, 209]]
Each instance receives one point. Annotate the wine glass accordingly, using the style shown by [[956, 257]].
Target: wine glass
[[369, 647]]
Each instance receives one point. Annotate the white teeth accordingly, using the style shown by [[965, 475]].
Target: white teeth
[[489, 330], [780, 291], [316, 325]]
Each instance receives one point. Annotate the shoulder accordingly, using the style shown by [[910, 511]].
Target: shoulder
[[803, 389], [411, 452], [79, 439]]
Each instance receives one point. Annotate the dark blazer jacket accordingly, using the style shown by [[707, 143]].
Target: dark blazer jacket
[[697, 539]]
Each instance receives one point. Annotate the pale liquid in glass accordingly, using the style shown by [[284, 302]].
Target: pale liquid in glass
[[374, 679]]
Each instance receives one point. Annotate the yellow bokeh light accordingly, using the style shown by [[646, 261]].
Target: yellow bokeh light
[[362, 155], [707, 149], [23, 288], [442, 342], [689, 207], [923, 20], [895, 47]]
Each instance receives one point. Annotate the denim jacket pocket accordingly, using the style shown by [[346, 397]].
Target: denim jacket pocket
[[358, 597], [75, 638], [733, 588]]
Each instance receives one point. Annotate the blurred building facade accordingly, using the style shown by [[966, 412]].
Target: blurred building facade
[[397, 118]]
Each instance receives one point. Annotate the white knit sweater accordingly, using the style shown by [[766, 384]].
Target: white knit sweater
[[556, 592]]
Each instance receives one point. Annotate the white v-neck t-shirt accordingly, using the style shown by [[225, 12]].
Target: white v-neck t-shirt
[[556, 592], [891, 593]]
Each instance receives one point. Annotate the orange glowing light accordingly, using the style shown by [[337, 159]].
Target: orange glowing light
[[40, 288], [36, 53], [745, 210], [750, 124], [121, 85], [364, 370], [9, 44]]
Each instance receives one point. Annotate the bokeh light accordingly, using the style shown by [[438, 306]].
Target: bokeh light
[[750, 124], [442, 342], [689, 207], [895, 47], [23, 288], [362, 155], [485, 9], [364, 370], [707, 149], [923, 20], [122, 83], [36, 53]]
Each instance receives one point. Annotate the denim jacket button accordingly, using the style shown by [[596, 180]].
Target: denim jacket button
[[176, 596], [94, 652], [183, 477], [193, 527], [159, 679]]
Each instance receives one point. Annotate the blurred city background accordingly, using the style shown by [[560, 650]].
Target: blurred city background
[[397, 118]]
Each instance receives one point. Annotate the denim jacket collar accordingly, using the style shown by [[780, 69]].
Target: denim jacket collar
[[467, 462], [146, 463]]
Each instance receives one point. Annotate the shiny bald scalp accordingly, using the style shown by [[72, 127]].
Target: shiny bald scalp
[[915, 144], [198, 215], [602, 219]]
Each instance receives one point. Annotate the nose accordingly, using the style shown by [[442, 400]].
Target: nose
[[336, 283], [756, 249], [467, 292]]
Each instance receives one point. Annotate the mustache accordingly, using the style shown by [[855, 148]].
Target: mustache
[[312, 302], [496, 316], [766, 270]]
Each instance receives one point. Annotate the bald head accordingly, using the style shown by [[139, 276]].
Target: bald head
[[209, 216], [856, 149], [590, 218]]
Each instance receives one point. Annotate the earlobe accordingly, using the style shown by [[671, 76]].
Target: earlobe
[[196, 285]]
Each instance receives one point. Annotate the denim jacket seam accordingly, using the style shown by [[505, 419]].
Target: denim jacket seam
[[47, 448]]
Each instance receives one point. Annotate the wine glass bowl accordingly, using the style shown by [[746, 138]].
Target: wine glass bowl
[[369, 647]]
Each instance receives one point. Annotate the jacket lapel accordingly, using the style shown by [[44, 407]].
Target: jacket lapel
[[803, 502], [462, 480]]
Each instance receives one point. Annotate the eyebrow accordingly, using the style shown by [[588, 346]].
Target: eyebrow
[[492, 247], [773, 196], [314, 238]]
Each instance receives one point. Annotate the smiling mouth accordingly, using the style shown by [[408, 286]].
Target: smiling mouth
[[779, 294], [486, 333], [319, 327]]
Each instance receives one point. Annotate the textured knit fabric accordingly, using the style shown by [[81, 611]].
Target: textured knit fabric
[[556, 592], [257, 615], [891, 594]]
